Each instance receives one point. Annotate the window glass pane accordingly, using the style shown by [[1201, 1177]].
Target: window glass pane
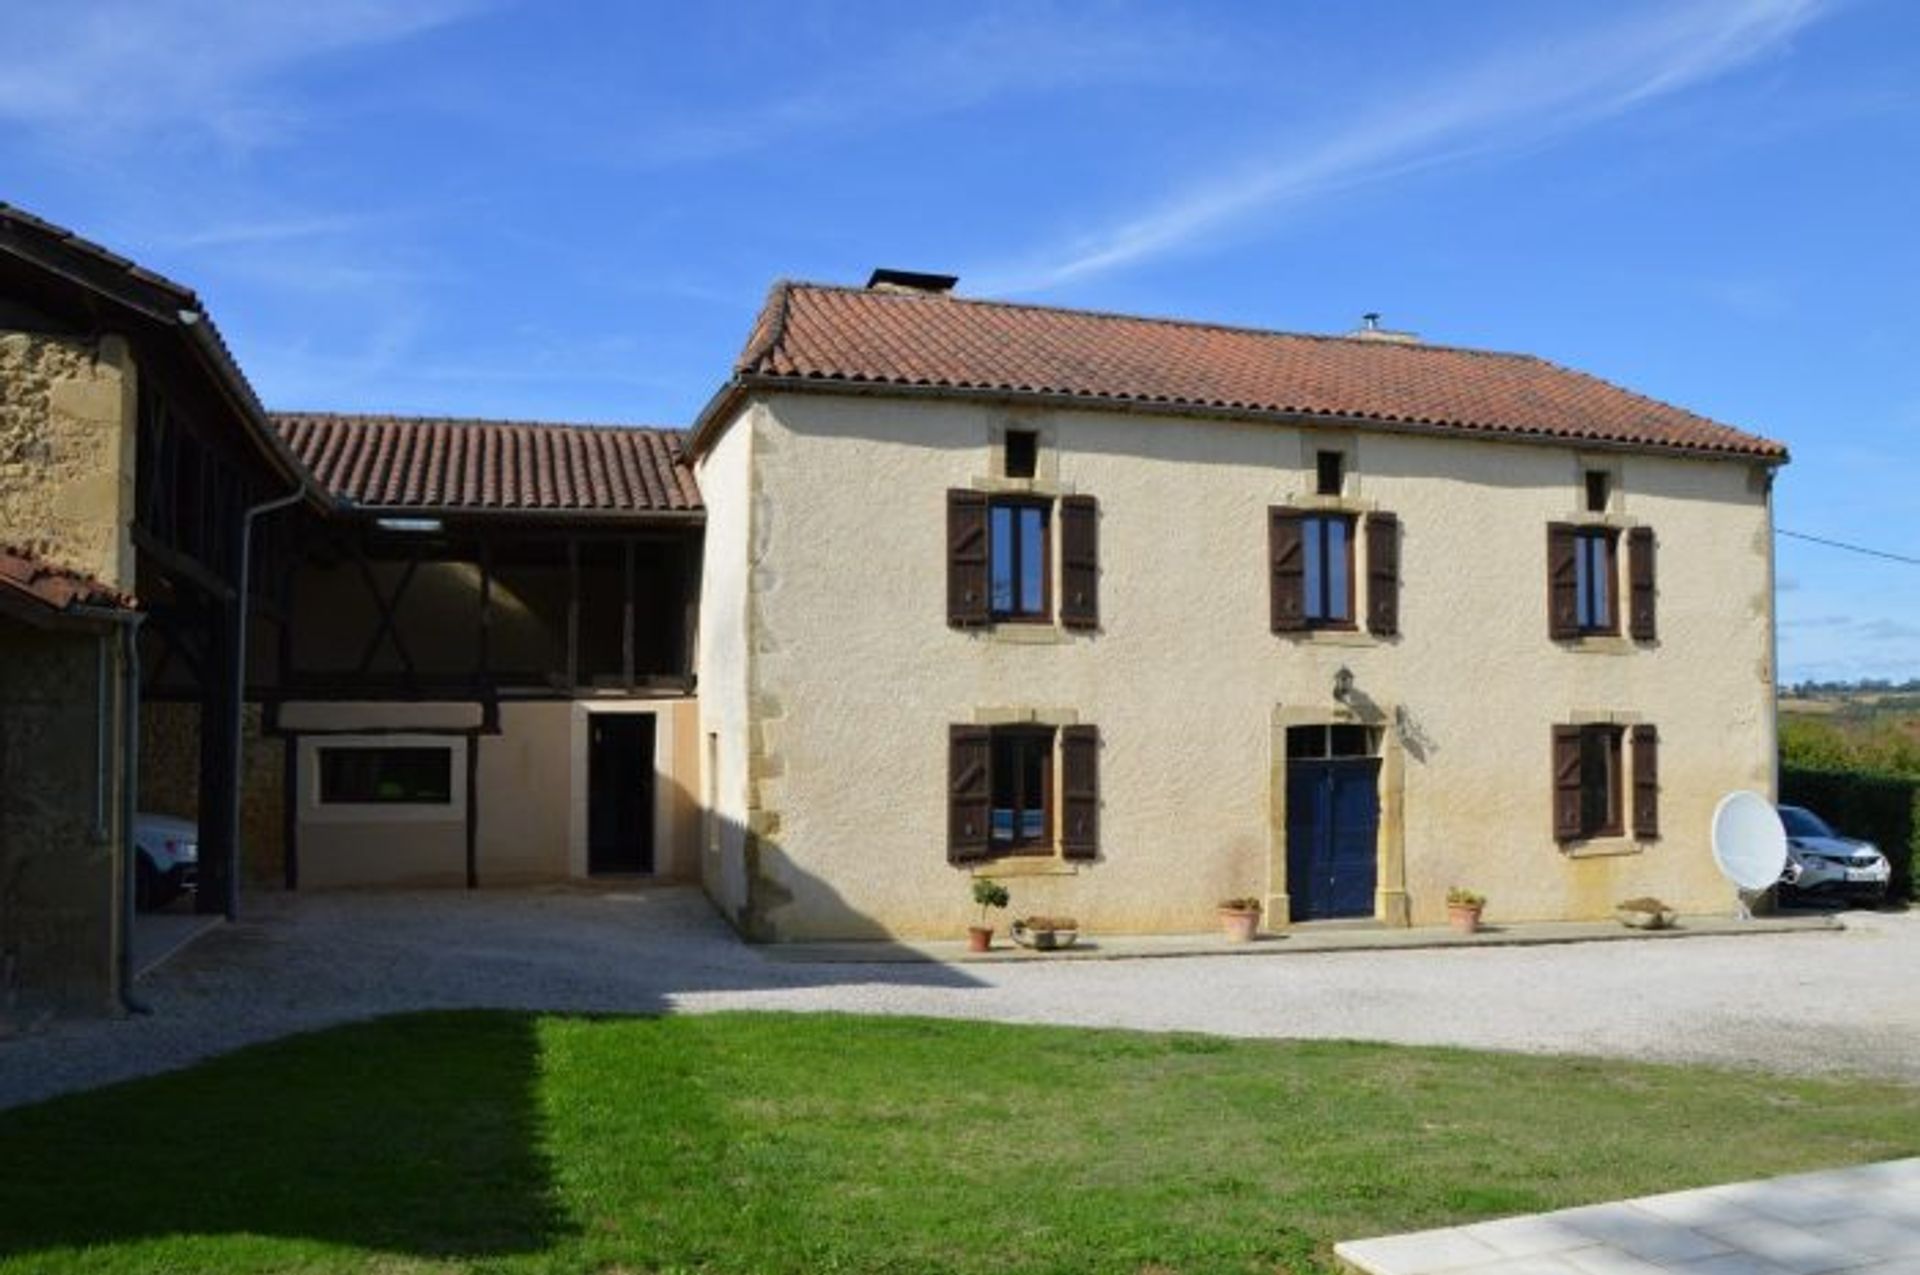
[[390, 776], [1602, 578], [1033, 788], [1316, 586], [1350, 741], [1006, 788], [1338, 586], [1000, 542], [1583, 582], [1306, 742], [1597, 749], [1033, 566]]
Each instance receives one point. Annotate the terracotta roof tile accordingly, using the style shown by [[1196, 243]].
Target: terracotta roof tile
[[815, 332], [25, 574], [441, 465]]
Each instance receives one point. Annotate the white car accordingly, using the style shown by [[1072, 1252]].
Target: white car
[[1822, 862], [169, 858]]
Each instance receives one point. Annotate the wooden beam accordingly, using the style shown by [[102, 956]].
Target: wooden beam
[[473, 812], [181, 566], [290, 809]]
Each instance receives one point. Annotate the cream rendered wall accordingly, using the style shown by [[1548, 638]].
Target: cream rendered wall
[[726, 482], [528, 779], [845, 605]]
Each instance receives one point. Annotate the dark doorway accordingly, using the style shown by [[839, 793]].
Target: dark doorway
[[620, 792], [1333, 824]]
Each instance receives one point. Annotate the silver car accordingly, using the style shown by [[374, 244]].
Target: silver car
[[169, 851], [1822, 863]]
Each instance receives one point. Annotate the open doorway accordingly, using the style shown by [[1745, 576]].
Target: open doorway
[[620, 793]]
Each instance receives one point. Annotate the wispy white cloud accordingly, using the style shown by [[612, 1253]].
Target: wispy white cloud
[[997, 52], [123, 69], [259, 231], [1519, 98]]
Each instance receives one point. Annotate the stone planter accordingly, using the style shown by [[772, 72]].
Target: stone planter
[[1052, 940], [1638, 919]]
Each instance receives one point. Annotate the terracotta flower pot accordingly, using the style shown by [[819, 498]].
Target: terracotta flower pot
[[1464, 917], [1239, 924], [979, 938]]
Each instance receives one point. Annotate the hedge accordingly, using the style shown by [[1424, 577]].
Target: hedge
[[1883, 809]]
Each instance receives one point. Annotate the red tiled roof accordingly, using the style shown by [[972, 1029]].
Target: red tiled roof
[[857, 337], [434, 465], [26, 576]]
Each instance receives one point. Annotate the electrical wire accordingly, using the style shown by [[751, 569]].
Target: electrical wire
[[1841, 544]]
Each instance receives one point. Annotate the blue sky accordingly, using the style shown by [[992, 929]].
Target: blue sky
[[571, 211]]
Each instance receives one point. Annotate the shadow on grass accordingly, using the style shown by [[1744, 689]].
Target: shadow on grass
[[419, 1135]]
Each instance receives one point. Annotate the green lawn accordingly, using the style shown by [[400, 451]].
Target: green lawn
[[770, 1143]]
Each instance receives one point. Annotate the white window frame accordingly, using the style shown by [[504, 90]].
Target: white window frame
[[453, 810]]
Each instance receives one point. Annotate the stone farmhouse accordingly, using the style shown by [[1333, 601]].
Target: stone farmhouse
[[1135, 613]]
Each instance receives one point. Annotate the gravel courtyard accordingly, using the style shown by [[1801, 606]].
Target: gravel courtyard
[[1836, 1001]]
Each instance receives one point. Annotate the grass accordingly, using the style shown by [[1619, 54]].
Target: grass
[[801, 1143]]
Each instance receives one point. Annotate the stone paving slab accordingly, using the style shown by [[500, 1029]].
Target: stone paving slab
[[1326, 937], [1864, 1219]]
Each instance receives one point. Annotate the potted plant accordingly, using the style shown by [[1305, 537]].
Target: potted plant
[[1464, 908], [1239, 918], [988, 893], [1645, 913], [1045, 933]]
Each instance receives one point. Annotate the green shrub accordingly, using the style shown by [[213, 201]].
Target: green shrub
[[1883, 809]]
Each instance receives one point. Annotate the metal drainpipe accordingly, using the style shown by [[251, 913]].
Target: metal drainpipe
[[128, 623], [235, 717]]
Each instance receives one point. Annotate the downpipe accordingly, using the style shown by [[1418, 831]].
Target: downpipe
[[128, 625], [243, 602]]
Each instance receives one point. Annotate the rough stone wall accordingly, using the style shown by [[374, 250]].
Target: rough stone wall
[[170, 780], [67, 414], [58, 890]]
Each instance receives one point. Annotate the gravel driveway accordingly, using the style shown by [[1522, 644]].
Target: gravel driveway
[[1834, 1001]]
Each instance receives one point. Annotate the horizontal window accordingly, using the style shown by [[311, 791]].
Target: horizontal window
[[400, 775]]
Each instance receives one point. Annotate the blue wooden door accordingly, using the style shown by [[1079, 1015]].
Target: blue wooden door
[[1333, 824]]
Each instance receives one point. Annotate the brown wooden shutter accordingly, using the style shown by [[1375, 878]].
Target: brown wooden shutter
[[969, 792], [1079, 562], [1563, 582], [966, 558], [1287, 565], [1566, 783], [1646, 782], [1383, 574], [1640, 584], [1080, 792]]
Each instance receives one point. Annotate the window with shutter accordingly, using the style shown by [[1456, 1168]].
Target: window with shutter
[[1080, 792], [1587, 782], [1566, 783], [1563, 594], [969, 793], [1079, 562], [967, 559], [1641, 622], [1383, 574], [1287, 566], [1646, 783]]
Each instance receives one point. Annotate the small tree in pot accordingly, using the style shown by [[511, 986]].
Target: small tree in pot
[[988, 893]]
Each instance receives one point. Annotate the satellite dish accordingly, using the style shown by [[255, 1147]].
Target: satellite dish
[[1749, 841]]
